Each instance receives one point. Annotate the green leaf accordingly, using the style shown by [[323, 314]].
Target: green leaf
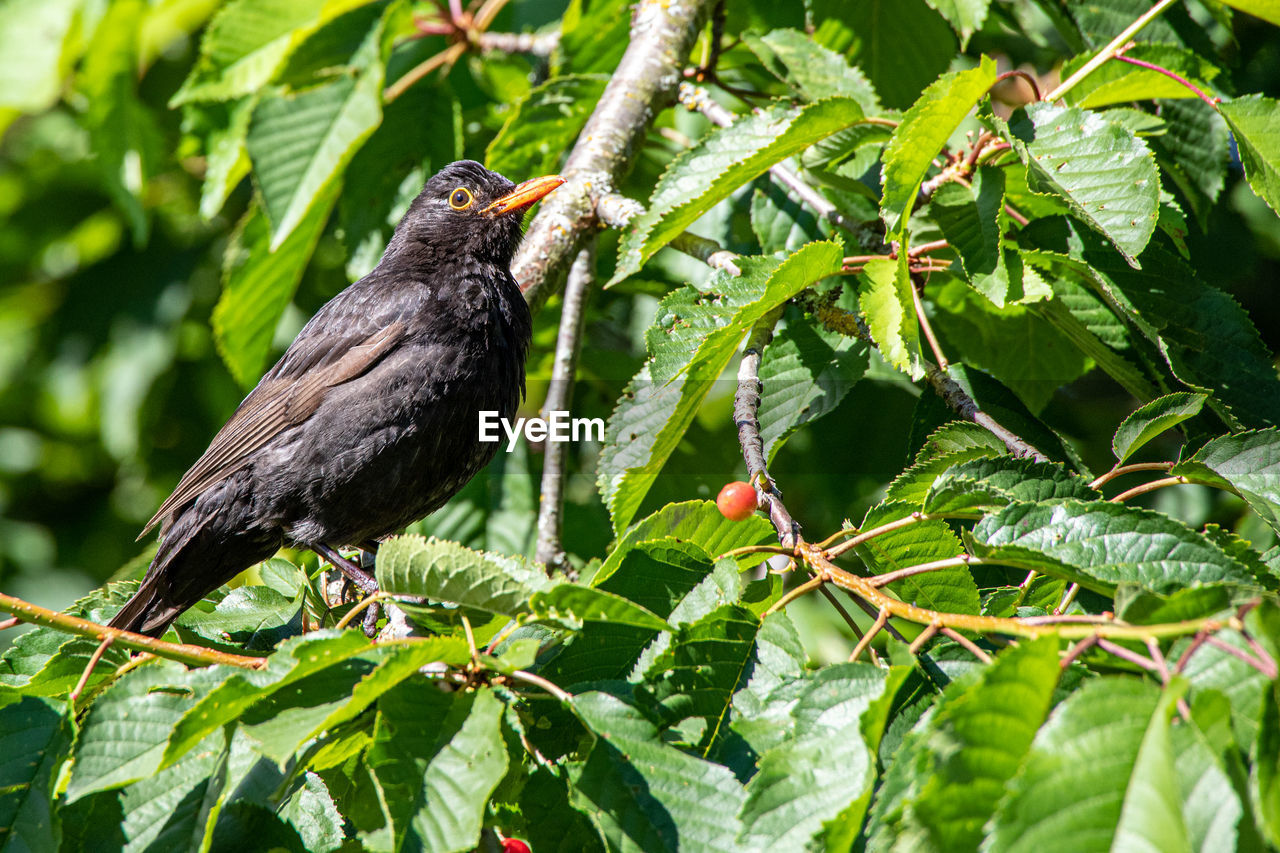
[[964, 16], [245, 44], [723, 160], [697, 522], [884, 295], [1266, 781], [1193, 151], [33, 35], [1105, 174], [252, 617], [129, 725], [226, 160], [693, 337], [1247, 463], [645, 795], [804, 374], [1207, 339], [1267, 10], [698, 671], [1100, 773], [593, 36], [901, 44], [811, 70], [436, 758], [1252, 120], [300, 143], [826, 765], [961, 764], [446, 571], [257, 285], [1015, 344], [1100, 545], [924, 130], [781, 221], [573, 604], [1211, 805], [986, 484], [175, 808], [281, 723], [972, 220], [1121, 83], [311, 811], [951, 590], [543, 126], [294, 660], [948, 445], [1152, 419], [34, 739]]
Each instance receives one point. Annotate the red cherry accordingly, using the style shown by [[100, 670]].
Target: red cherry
[[514, 845], [737, 501]]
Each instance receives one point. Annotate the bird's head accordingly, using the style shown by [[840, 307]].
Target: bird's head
[[467, 209]]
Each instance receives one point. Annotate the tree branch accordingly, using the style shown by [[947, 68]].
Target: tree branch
[[662, 34], [559, 397], [181, 652]]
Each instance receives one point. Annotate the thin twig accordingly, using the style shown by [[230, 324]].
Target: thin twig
[[1067, 597], [969, 645], [1113, 47], [1196, 90], [858, 539], [1077, 650], [367, 601], [923, 319], [1262, 654], [1031, 81], [1149, 487], [797, 591], [881, 581], [965, 406], [923, 638], [835, 602], [1260, 666], [1127, 655], [746, 406], [1120, 470], [538, 681], [448, 56], [549, 550], [11, 622], [181, 652], [882, 618], [88, 670]]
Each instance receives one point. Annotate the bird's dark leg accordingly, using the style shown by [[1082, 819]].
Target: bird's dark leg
[[358, 576], [374, 610]]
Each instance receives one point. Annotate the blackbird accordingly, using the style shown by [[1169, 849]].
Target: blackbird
[[369, 420]]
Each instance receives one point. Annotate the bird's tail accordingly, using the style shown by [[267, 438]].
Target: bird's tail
[[148, 612], [200, 552]]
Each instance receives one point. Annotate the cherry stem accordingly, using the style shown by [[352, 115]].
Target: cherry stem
[[1151, 66]]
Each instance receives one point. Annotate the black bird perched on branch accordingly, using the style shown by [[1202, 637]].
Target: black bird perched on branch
[[369, 420]]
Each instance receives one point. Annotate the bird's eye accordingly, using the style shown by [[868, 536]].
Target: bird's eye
[[461, 198]]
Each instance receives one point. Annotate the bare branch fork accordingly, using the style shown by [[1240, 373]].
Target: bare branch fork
[[662, 34]]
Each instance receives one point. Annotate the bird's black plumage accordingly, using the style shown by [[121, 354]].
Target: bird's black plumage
[[369, 420]]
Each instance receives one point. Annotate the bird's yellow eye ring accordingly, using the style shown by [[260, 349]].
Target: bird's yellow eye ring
[[461, 199]]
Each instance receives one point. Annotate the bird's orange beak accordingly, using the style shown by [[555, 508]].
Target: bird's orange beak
[[524, 195]]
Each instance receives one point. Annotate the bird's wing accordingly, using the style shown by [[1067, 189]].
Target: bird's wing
[[287, 395]]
